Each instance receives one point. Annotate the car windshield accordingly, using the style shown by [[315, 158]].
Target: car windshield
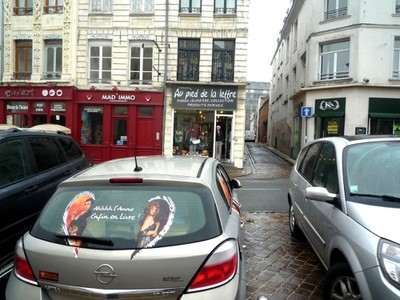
[[372, 169], [126, 217]]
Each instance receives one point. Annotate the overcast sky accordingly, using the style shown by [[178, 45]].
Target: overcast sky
[[265, 22]]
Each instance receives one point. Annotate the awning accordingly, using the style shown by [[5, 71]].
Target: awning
[[384, 115], [384, 108]]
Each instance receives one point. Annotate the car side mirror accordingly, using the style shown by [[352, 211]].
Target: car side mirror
[[235, 183], [319, 194]]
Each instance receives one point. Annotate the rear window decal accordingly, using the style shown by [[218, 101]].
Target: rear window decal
[[156, 219], [75, 217]]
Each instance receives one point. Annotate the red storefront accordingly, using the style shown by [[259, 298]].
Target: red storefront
[[27, 106], [108, 124], [114, 124]]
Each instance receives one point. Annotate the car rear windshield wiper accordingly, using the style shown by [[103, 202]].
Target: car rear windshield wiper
[[88, 239], [383, 197]]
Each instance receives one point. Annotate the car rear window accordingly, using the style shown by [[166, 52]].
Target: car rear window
[[130, 217]]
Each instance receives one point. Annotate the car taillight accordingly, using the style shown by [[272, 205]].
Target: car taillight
[[220, 268], [21, 266]]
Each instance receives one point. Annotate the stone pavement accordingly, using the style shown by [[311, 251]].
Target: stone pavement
[[278, 267]]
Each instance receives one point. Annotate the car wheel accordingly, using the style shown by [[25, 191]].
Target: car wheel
[[340, 283], [293, 227]]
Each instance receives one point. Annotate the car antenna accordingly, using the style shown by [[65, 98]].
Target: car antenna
[[137, 168]]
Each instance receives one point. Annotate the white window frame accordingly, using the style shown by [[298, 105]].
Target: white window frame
[[142, 46], [142, 6], [396, 58], [333, 56], [337, 12], [56, 47], [101, 58], [189, 6], [101, 6]]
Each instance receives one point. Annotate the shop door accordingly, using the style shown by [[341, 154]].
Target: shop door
[[332, 126], [226, 126], [119, 124], [148, 131]]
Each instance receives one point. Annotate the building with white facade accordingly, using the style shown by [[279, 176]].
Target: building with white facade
[[129, 77], [335, 72]]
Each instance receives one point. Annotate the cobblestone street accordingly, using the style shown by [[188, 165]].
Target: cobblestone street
[[278, 267]]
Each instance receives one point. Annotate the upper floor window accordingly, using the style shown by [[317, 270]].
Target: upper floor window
[[188, 59], [141, 64], [99, 6], [223, 60], [23, 7], [335, 9], [53, 6], [23, 62], [396, 58], [397, 6], [224, 6], [53, 59], [142, 6], [190, 6], [100, 63], [335, 60]]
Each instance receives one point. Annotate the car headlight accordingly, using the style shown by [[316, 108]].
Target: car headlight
[[389, 259]]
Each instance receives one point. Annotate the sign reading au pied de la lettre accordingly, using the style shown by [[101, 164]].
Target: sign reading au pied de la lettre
[[204, 97]]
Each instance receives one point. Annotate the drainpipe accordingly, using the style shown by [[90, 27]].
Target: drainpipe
[[165, 70], [2, 40]]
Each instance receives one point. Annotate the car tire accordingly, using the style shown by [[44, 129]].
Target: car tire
[[340, 283], [293, 227]]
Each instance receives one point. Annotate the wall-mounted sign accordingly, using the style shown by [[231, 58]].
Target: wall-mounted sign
[[204, 97]]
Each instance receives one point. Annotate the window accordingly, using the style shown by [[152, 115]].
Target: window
[[142, 6], [54, 6], [92, 125], [335, 60], [225, 6], [325, 174], [13, 161], [99, 6], [141, 68], [336, 9], [23, 62], [23, 7], [397, 6], [190, 6], [307, 165], [100, 64], [53, 59], [223, 60], [396, 58], [46, 152], [120, 122], [188, 59]]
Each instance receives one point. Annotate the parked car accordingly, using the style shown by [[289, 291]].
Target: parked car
[[165, 227], [32, 164], [345, 199]]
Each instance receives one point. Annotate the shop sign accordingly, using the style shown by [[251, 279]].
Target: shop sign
[[58, 107], [17, 106], [118, 98], [330, 107], [333, 127], [204, 97], [39, 107], [93, 109], [19, 92]]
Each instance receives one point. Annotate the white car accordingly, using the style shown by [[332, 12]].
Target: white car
[[345, 199], [161, 228]]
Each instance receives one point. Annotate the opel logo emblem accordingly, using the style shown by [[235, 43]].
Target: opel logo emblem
[[105, 274]]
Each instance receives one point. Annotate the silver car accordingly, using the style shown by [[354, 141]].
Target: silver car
[[345, 199], [136, 228]]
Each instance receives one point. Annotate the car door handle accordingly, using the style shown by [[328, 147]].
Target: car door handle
[[31, 189], [69, 172]]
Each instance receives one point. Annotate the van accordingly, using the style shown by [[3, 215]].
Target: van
[[250, 136]]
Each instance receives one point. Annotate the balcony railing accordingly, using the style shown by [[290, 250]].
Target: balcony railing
[[225, 10], [336, 13], [53, 9], [335, 75], [193, 10], [23, 11], [22, 75]]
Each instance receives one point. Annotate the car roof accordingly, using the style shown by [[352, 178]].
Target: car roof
[[15, 132], [178, 167], [354, 139]]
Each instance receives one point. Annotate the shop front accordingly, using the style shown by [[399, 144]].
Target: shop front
[[329, 117], [26, 106], [115, 124], [203, 120], [384, 114]]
